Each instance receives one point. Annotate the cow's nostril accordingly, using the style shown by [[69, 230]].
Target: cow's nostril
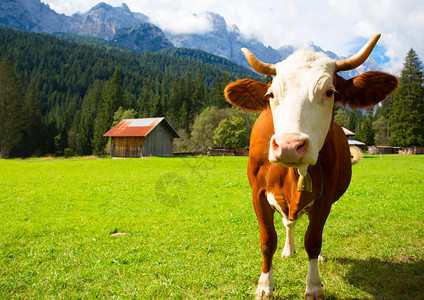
[[302, 146], [274, 143]]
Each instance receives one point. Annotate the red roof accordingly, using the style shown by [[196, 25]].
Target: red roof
[[137, 127], [348, 132]]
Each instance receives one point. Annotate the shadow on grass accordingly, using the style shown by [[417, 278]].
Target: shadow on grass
[[367, 156], [387, 279]]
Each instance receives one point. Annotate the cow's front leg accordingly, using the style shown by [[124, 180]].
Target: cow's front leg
[[313, 281], [265, 286], [289, 248], [313, 243], [268, 240]]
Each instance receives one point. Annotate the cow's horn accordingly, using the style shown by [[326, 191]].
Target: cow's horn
[[359, 58], [257, 65]]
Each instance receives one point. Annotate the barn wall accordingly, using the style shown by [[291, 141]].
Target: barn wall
[[158, 142], [126, 146]]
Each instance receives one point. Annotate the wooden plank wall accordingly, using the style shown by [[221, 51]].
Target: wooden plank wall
[[126, 146], [158, 142]]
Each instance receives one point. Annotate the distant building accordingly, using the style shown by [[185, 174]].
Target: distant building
[[142, 137], [347, 132]]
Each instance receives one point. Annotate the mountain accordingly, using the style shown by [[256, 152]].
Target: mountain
[[31, 15], [104, 21], [208, 58], [224, 42], [143, 37], [133, 30], [118, 24]]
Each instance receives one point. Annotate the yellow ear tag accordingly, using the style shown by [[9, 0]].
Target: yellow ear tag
[[304, 184]]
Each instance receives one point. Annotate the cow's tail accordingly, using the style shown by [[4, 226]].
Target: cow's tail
[[356, 154]]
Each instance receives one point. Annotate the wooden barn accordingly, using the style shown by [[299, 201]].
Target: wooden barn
[[142, 137]]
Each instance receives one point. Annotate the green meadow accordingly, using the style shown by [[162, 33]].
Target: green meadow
[[185, 228]]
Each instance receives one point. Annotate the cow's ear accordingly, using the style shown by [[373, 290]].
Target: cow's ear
[[365, 90], [247, 94]]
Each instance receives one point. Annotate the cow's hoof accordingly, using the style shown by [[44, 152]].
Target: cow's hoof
[[316, 294], [265, 286], [314, 297], [287, 253], [263, 294]]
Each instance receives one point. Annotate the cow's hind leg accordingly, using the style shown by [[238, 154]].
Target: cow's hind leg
[[268, 240]]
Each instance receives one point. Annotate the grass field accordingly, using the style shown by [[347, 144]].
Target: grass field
[[184, 228]]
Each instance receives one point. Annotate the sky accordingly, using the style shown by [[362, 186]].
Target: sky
[[340, 26]]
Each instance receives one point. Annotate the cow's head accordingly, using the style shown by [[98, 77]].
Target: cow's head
[[302, 96]]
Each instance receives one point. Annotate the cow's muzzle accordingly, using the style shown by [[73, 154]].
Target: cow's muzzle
[[289, 149]]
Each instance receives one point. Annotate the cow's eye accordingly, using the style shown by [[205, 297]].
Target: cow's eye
[[270, 95], [329, 93]]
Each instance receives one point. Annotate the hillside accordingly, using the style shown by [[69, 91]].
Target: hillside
[[210, 59]]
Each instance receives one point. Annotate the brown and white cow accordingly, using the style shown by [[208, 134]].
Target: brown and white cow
[[299, 159]]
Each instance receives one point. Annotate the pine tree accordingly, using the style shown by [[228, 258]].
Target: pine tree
[[11, 117], [144, 100], [157, 107], [367, 132], [113, 98], [407, 114], [88, 114], [177, 100], [382, 132], [217, 93], [199, 95], [34, 134]]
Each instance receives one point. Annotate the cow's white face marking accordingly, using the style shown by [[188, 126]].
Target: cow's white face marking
[[302, 100]]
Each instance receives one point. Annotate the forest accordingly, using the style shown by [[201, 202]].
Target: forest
[[59, 96], [76, 88]]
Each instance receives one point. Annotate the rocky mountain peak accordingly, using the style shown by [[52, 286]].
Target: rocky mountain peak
[[101, 6], [125, 8], [217, 21], [30, 15], [103, 20], [143, 37]]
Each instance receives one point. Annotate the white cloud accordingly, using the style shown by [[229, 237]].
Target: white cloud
[[401, 24], [341, 26], [182, 22]]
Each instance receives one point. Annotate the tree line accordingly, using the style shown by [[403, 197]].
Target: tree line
[[77, 88]]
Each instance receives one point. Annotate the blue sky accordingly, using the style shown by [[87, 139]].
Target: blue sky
[[340, 26]]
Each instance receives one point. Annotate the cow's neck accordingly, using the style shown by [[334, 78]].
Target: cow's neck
[[304, 183]]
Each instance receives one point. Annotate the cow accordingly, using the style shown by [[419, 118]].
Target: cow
[[299, 159]]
